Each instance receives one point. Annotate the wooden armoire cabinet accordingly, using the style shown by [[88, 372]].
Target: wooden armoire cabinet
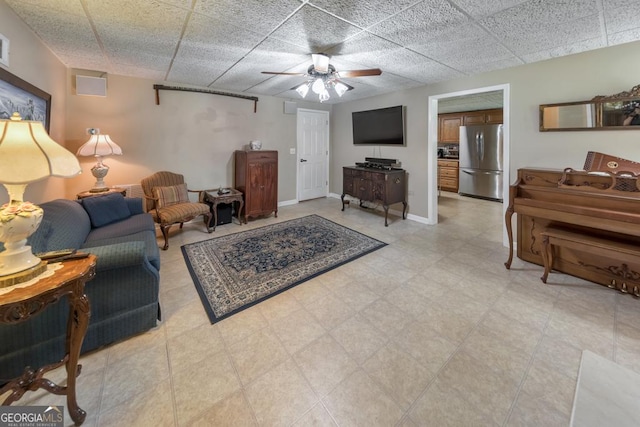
[[256, 175]]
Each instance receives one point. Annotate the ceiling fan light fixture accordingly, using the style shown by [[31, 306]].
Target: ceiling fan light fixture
[[340, 88], [318, 86], [324, 95], [320, 62], [303, 89]]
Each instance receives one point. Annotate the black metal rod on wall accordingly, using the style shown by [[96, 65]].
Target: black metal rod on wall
[[158, 88]]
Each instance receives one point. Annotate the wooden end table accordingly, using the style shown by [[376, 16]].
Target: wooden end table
[[88, 193], [21, 303], [213, 198]]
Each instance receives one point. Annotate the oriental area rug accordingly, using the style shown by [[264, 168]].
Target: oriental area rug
[[237, 271]]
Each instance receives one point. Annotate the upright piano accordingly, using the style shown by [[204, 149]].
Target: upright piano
[[602, 201]]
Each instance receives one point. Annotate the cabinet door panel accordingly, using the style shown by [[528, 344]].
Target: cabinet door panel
[[449, 128], [473, 119]]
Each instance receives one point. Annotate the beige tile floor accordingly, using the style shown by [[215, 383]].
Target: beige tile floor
[[431, 330]]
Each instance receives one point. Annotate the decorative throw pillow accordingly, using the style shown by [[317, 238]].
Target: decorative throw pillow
[[106, 209], [172, 195]]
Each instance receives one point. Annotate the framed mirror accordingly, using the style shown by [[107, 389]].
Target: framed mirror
[[620, 111]]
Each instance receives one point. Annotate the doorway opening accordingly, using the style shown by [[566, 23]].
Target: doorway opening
[[432, 147]]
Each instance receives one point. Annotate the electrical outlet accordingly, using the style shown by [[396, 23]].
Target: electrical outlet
[[292, 151]]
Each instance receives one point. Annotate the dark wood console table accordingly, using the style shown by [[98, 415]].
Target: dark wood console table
[[379, 186], [21, 303]]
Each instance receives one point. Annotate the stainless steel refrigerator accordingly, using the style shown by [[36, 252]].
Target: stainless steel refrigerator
[[481, 161]]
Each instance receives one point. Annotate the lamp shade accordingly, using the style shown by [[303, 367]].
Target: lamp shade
[[28, 154], [99, 145]]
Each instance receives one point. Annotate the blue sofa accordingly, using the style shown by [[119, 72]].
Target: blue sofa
[[123, 295]]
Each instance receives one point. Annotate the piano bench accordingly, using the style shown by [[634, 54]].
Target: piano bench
[[621, 251]]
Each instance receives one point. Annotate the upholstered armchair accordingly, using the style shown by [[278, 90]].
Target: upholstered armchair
[[167, 200]]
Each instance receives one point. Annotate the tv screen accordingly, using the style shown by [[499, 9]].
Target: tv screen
[[384, 126]]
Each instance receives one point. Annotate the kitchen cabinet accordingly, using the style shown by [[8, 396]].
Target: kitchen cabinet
[[449, 127], [256, 176], [481, 117], [377, 186], [448, 175], [449, 123]]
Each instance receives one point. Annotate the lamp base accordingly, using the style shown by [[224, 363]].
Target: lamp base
[[23, 276]]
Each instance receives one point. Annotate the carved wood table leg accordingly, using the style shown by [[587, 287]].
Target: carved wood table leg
[[79, 313], [342, 198], [386, 214], [404, 210], [507, 220]]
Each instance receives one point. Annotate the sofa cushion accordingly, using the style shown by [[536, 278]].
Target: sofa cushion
[[171, 195], [69, 226], [151, 249], [132, 225], [106, 209]]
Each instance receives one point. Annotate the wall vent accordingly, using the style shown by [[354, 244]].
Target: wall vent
[[92, 86]]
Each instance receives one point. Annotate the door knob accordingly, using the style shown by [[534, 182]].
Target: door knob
[[302, 160]]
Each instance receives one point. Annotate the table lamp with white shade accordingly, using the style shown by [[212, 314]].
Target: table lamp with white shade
[[98, 146], [27, 154]]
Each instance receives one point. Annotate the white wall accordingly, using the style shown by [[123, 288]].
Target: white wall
[[572, 78], [35, 64], [194, 134]]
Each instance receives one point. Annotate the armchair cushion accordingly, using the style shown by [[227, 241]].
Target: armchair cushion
[[171, 195], [181, 212], [106, 209]]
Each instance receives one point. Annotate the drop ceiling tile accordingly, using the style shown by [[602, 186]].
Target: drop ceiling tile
[[124, 25], [363, 13], [624, 37], [574, 32], [68, 7], [278, 85], [65, 33], [623, 18], [568, 49], [483, 67], [431, 72], [531, 18], [480, 9], [365, 49], [314, 30], [249, 13], [420, 23], [142, 60], [207, 37], [199, 73], [143, 73], [93, 63]]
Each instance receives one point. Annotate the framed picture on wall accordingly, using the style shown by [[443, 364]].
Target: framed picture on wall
[[4, 50], [16, 95]]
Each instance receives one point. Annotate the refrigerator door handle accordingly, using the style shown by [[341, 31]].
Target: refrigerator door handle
[[481, 151]]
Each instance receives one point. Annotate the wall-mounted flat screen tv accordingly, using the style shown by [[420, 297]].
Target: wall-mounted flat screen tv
[[384, 126]]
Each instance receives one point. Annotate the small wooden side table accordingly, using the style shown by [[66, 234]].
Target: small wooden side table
[[88, 193], [23, 302], [213, 198]]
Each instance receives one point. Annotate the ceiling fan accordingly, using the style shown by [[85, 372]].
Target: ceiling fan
[[322, 76]]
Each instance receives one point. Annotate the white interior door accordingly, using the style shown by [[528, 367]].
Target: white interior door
[[313, 154]]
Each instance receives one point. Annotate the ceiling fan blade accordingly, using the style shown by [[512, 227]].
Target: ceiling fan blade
[[283, 74], [360, 73], [349, 87]]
